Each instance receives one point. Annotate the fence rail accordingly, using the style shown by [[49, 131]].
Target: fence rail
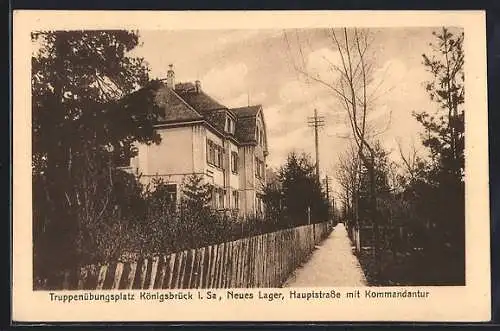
[[260, 261]]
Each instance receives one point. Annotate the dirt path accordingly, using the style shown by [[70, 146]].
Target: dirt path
[[331, 264]]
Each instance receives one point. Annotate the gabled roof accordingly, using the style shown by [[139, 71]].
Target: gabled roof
[[216, 118], [245, 129], [246, 111], [156, 98], [186, 103], [199, 100], [246, 122], [174, 107]]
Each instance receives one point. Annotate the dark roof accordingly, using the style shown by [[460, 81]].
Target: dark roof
[[246, 111], [216, 118], [185, 103], [156, 98], [246, 122], [174, 108], [199, 100], [245, 129]]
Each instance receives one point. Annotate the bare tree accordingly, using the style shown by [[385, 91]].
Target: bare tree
[[356, 90], [348, 176], [410, 159]]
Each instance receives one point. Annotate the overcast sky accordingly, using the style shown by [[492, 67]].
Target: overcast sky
[[237, 65]]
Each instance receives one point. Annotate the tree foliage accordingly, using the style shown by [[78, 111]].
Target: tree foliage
[[444, 129], [273, 197], [197, 194], [82, 128], [445, 137], [296, 191]]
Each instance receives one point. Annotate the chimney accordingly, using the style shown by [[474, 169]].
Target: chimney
[[197, 85], [171, 77]]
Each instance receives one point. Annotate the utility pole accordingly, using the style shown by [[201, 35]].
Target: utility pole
[[328, 196], [331, 204], [327, 189], [316, 122], [333, 207]]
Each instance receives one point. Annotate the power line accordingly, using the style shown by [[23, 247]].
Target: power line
[[304, 66]]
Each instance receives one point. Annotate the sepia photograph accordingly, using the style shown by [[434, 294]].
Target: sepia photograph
[[307, 157]]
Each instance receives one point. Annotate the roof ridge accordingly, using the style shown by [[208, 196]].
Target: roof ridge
[[250, 106], [184, 102], [213, 99], [247, 111]]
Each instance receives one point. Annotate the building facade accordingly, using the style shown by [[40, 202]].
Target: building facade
[[226, 146]]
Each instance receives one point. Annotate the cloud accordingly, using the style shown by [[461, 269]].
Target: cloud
[[338, 131], [226, 81], [243, 99], [285, 118], [321, 63], [377, 113], [294, 91], [237, 36], [280, 146], [393, 74]]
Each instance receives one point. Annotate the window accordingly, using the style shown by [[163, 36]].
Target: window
[[218, 156], [230, 125], [260, 135], [222, 194], [214, 154], [171, 190], [236, 200], [213, 197], [259, 168], [259, 205], [218, 195], [210, 152], [234, 162]]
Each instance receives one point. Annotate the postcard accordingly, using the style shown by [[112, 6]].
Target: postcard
[[250, 166]]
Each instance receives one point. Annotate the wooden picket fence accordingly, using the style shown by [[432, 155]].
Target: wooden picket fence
[[261, 261]]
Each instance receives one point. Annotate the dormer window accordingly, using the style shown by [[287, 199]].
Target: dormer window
[[230, 125], [260, 136]]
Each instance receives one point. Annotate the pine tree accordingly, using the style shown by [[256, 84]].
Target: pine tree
[[440, 190], [301, 190], [197, 194]]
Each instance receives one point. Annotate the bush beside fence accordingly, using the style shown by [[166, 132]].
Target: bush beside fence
[[259, 261]]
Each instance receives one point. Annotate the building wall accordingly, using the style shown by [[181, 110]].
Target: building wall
[[247, 179], [215, 174], [174, 155], [199, 148], [183, 151]]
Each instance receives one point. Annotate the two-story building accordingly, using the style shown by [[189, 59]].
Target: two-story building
[[199, 135]]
